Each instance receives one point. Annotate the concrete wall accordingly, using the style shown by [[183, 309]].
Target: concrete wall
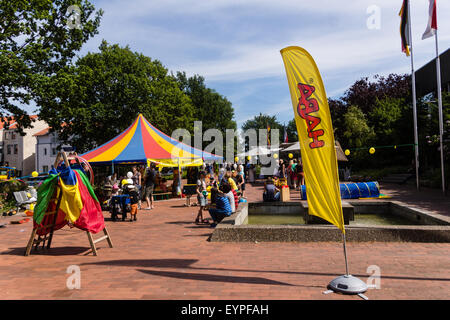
[[235, 229]]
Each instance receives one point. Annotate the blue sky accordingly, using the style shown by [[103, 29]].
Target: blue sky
[[235, 44]]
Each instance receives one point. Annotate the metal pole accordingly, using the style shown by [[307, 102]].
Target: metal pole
[[345, 254], [416, 139], [441, 125], [179, 178]]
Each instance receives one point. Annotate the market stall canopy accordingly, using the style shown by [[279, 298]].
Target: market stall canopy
[[339, 152], [260, 150], [142, 141]]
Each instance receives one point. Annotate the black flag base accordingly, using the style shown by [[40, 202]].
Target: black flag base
[[348, 284]]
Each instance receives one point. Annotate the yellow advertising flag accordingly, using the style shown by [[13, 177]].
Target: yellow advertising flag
[[315, 132]]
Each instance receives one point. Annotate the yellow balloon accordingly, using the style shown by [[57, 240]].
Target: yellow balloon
[[249, 158], [290, 155], [275, 155], [34, 174], [372, 150], [347, 152], [236, 159], [395, 147]]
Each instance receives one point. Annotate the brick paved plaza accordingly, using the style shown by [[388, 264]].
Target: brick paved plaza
[[164, 255]]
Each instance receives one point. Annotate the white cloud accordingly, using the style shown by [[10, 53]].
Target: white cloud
[[234, 42]]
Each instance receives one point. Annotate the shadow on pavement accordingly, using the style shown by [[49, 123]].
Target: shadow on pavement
[[213, 277], [54, 251], [183, 263]]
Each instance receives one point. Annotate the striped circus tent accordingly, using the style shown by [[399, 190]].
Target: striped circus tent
[[142, 141]]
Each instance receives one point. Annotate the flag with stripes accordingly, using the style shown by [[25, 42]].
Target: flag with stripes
[[432, 21], [404, 27]]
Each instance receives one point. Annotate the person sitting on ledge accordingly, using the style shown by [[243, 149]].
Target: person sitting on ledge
[[223, 207], [271, 193]]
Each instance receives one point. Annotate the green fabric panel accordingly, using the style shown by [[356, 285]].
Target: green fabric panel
[[45, 193], [87, 184]]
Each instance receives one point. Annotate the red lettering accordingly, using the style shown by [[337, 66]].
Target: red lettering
[[307, 105]]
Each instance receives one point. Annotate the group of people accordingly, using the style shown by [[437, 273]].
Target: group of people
[[225, 183], [138, 184], [292, 172], [225, 191]]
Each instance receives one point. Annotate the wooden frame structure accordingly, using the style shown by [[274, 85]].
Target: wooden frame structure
[[33, 241]]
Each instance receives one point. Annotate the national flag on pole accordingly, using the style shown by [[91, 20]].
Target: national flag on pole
[[404, 29], [285, 138], [432, 21], [268, 135], [315, 133]]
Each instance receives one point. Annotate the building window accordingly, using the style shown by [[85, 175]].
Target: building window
[[8, 151], [44, 168], [53, 151], [13, 135], [45, 151], [16, 149]]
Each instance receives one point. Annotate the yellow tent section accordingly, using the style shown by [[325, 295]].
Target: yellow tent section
[[176, 162]]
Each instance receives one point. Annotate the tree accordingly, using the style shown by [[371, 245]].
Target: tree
[[357, 132], [384, 118], [262, 121], [337, 110], [292, 131], [35, 42], [429, 138], [97, 98], [213, 109], [364, 93]]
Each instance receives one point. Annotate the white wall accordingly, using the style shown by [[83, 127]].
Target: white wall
[[24, 158], [46, 151]]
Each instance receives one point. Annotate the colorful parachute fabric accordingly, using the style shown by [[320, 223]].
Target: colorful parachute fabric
[[79, 205]]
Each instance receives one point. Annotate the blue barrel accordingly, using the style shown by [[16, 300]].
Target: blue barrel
[[354, 190]]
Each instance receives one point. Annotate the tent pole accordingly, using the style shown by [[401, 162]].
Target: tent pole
[[179, 178]]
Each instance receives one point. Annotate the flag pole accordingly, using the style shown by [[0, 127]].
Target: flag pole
[[345, 254], [413, 76], [441, 126]]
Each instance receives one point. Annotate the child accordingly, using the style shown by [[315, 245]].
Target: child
[[133, 192], [201, 197]]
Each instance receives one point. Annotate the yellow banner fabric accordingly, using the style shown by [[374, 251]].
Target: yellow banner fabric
[[315, 132]]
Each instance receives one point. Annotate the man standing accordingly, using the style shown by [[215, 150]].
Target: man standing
[[149, 185], [136, 177]]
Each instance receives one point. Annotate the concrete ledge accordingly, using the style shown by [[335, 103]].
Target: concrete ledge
[[240, 217], [261, 233], [236, 229]]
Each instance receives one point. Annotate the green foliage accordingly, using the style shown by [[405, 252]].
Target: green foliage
[[97, 98], [7, 189], [292, 131], [262, 121], [374, 174], [357, 132], [213, 109], [385, 115], [36, 42]]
